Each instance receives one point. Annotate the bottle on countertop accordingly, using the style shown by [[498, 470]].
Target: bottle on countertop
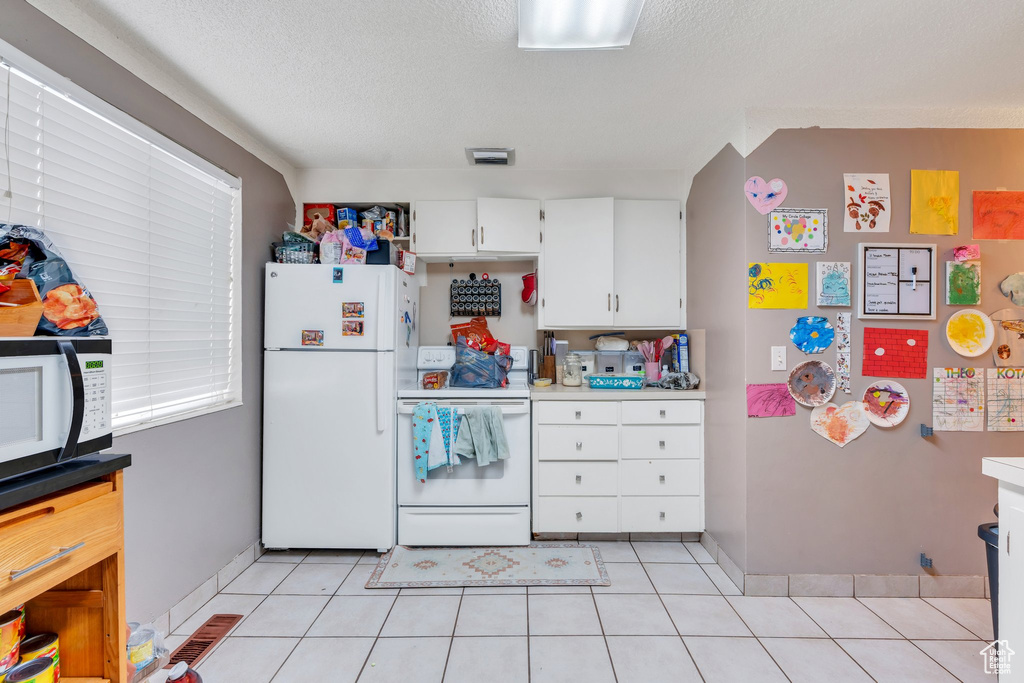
[[181, 673]]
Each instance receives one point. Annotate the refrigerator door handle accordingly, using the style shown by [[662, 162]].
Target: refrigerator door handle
[[381, 291], [382, 392]]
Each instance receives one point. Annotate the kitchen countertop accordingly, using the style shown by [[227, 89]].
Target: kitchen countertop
[[557, 392], [26, 487], [1010, 470]]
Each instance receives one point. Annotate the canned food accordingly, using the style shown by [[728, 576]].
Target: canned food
[[38, 670], [10, 637], [42, 645]]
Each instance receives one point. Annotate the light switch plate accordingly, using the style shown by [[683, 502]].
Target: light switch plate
[[778, 358]]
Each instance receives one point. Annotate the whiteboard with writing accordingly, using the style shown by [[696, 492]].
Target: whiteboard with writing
[[897, 281]]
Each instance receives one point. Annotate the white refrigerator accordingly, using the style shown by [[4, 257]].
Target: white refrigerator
[[337, 341]]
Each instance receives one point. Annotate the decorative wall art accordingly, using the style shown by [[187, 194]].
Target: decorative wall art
[[958, 400], [968, 252], [963, 283], [769, 400], [812, 334], [868, 203], [765, 196], [887, 403], [840, 424], [934, 202], [998, 215], [895, 353], [1005, 394], [799, 230], [777, 285], [897, 281], [833, 280], [1008, 344], [970, 332], [812, 383], [843, 344], [1012, 286]]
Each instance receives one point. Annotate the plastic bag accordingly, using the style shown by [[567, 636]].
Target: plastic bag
[[478, 369], [331, 247], [69, 310]]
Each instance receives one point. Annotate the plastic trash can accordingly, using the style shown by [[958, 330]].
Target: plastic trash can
[[990, 534]]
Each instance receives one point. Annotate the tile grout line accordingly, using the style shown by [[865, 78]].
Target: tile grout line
[[376, 638], [451, 639], [830, 637], [957, 621], [604, 636]]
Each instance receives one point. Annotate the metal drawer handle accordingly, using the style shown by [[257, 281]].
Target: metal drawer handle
[[579, 515], [662, 514], [661, 413], [18, 573], [661, 478], [579, 445], [579, 414], [579, 478], [661, 444]]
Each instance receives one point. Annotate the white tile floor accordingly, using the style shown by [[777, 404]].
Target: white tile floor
[[669, 615]]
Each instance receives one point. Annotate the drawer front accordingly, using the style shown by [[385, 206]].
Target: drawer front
[[662, 513], [556, 442], [661, 477], [55, 541], [660, 412], [644, 442], [576, 514], [577, 412], [578, 478]]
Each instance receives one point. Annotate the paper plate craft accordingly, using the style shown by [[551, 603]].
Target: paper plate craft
[[765, 196], [840, 424], [886, 403], [970, 332], [1008, 345], [812, 383], [812, 334]]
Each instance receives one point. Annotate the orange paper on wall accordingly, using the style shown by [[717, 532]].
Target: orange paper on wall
[[998, 215]]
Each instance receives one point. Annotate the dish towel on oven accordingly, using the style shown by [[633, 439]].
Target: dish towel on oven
[[482, 435], [432, 436]]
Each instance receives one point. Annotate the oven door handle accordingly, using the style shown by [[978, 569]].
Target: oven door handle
[[67, 349]]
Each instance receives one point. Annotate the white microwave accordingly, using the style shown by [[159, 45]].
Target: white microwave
[[54, 401]]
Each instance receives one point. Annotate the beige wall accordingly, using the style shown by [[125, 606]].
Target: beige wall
[[192, 494]]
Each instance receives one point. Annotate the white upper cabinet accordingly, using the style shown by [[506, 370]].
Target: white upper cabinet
[[509, 226], [648, 264], [575, 280], [486, 228], [444, 228]]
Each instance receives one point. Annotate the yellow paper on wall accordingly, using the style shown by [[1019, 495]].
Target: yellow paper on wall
[[934, 202], [777, 285]]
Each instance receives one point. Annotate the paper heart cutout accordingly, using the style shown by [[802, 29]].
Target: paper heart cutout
[[840, 424], [765, 196]]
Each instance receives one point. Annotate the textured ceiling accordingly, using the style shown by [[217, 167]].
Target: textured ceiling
[[409, 84]]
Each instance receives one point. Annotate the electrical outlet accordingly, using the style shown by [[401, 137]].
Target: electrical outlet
[[778, 358]]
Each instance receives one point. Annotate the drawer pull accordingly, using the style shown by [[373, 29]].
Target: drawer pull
[[579, 516], [661, 413], [579, 478], [661, 515], [661, 444], [579, 414], [579, 445], [661, 478], [18, 573]]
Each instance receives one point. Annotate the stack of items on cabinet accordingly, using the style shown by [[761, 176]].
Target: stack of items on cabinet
[[616, 363]]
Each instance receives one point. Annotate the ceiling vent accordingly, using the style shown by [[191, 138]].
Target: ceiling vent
[[491, 156]]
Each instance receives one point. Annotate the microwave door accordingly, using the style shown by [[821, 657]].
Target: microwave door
[[36, 406], [74, 368]]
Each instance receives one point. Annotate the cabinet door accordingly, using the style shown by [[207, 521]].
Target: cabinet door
[[508, 225], [648, 264], [575, 283], [1011, 564], [444, 228]]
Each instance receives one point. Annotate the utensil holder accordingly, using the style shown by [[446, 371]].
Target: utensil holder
[[652, 371]]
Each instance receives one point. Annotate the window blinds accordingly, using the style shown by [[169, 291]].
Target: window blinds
[[149, 232]]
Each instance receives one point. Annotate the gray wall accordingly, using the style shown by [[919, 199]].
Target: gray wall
[[192, 493], [716, 303]]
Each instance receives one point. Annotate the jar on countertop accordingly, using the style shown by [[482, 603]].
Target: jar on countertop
[[572, 370]]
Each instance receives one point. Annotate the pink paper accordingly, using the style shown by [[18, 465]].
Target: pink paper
[[968, 252], [769, 400]]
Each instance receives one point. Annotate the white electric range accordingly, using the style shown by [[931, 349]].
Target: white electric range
[[468, 505]]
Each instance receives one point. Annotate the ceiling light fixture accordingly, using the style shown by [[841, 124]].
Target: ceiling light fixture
[[491, 156], [577, 24]]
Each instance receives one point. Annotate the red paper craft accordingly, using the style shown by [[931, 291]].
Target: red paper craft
[[895, 353]]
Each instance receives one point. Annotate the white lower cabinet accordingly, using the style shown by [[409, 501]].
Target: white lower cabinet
[[618, 466]]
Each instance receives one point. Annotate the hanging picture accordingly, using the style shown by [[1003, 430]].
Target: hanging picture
[[970, 332], [934, 202], [840, 424], [777, 285], [963, 283], [968, 252], [833, 278], [886, 402], [799, 230], [998, 215], [769, 400], [812, 383], [765, 195], [843, 344], [895, 353], [1005, 399], [1008, 344], [958, 400], [868, 204], [897, 281], [812, 334]]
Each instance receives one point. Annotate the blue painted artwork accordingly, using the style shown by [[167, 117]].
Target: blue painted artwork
[[812, 334], [833, 283]]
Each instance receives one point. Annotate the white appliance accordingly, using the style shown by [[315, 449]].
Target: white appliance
[[337, 341], [54, 400], [469, 505]]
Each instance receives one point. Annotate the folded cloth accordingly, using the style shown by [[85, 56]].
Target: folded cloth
[[450, 431], [428, 442], [482, 436]]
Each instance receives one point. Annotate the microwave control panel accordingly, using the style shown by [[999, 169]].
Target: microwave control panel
[[96, 378]]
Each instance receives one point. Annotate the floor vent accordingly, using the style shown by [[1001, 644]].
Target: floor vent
[[204, 639]]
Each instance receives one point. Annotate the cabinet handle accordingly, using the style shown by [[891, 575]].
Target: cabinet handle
[[481, 234], [473, 233], [661, 515], [661, 444], [579, 478], [616, 303], [661, 413], [18, 573], [579, 516], [579, 414], [579, 445], [661, 478], [609, 301]]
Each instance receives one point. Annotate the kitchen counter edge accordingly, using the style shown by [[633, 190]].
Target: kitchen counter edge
[[557, 392], [1010, 470]]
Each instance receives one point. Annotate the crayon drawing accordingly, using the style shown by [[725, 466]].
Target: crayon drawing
[[998, 215], [777, 285], [934, 202], [958, 400], [833, 278], [769, 400], [1005, 399], [963, 283], [868, 204]]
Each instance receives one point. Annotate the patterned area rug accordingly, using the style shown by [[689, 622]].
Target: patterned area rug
[[534, 565]]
